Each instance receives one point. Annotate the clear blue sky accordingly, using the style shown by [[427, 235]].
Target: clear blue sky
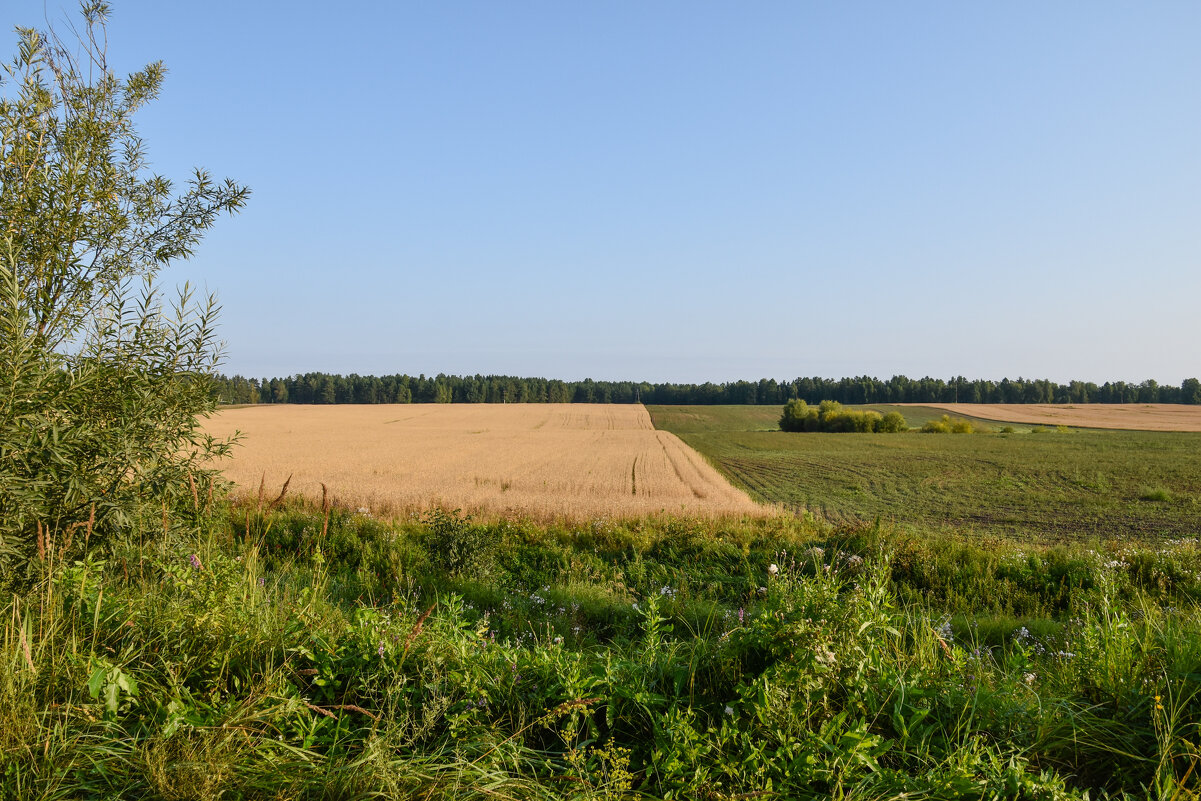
[[688, 191]]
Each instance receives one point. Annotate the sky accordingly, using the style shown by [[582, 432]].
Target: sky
[[686, 191]]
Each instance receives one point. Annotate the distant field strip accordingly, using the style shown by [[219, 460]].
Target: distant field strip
[[1050, 486], [540, 460], [1128, 416]]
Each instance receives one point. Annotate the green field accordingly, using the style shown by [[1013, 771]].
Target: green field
[[1087, 484]]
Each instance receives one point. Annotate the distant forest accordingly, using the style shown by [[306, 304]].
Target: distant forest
[[327, 388]]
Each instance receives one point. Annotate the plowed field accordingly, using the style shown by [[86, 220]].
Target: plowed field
[[538, 460]]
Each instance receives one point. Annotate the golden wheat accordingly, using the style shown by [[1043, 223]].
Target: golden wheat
[[1129, 416], [539, 460]]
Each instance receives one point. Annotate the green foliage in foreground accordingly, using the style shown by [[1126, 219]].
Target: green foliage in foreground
[[832, 417], [1089, 485], [285, 656], [101, 384]]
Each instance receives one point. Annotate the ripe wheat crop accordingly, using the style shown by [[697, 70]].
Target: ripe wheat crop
[[537, 460], [1128, 416]]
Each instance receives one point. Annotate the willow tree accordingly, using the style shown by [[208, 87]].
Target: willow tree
[[101, 381]]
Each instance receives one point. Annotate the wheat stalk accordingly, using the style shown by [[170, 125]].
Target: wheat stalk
[[282, 494]]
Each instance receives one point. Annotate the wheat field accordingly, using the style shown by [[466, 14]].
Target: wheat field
[[1128, 416], [569, 461]]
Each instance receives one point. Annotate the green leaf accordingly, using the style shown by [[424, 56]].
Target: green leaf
[[96, 682], [127, 683], [111, 697]]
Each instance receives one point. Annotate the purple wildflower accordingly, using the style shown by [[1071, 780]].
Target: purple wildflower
[[195, 560], [381, 650], [741, 615]]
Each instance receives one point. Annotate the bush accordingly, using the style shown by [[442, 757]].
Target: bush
[[459, 547], [98, 420], [796, 414], [948, 425]]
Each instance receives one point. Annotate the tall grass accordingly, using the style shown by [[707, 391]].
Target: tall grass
[[291, 653]]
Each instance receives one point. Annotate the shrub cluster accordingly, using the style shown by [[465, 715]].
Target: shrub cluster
[[831, 416], [949, 425]]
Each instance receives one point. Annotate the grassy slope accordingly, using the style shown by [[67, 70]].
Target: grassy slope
[[1082, 484]]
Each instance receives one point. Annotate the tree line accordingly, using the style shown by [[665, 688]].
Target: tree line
[[333, 388]]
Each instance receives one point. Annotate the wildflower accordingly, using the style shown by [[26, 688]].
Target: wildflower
[[945, 632], [772, 569], [262, 581], [381, 650], [1158, 705], [1029, 677], [763, 590], [729, 710], [741, 615], [558, 640], [195, 560]]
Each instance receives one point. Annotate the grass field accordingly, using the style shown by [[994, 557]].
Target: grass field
[[541, 460], [1081, 484]]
